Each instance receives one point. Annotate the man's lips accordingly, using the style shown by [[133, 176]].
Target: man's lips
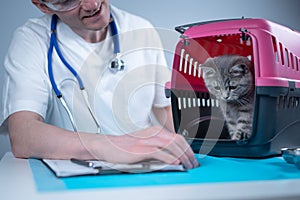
[[97, 11]]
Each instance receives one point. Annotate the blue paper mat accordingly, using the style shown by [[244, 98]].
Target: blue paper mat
[[212, 170]]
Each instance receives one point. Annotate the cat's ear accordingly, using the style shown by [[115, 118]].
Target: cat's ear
[[239, 70], [207, 71]]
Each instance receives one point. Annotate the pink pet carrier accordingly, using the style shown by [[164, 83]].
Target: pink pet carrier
[[275, 53]]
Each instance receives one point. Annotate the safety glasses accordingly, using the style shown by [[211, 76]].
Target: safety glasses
[[61, 5]]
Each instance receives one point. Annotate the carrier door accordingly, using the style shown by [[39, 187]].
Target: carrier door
[[196, 113]]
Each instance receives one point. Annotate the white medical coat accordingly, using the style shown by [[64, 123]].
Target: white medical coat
[[122, 101]]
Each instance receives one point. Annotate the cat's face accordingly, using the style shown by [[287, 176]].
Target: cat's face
[[228, 77]]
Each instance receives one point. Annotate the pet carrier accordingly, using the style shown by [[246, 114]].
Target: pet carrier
[[274, 51]]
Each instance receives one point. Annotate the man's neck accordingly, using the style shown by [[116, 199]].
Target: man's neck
[[92, 36]]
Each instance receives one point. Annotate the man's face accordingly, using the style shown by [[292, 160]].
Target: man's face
[[88, 15]]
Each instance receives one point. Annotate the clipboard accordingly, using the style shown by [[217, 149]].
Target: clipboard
[[75, 167]]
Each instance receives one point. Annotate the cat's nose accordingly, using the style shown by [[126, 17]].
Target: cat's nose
[[225, 96]]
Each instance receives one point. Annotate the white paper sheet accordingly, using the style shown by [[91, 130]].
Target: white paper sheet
[[66, 168]]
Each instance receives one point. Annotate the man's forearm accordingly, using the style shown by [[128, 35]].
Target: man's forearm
[[31, 137], [164, 117]]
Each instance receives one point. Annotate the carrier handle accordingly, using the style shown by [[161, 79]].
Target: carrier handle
[[182, 28]]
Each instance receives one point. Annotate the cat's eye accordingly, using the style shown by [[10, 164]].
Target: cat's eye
[[238, 70], [217, 88], [208, 72], [232, 87]]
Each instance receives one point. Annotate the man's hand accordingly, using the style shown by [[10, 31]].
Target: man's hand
[[148, 144]]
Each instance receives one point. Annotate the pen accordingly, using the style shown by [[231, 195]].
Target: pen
[[82, 162]]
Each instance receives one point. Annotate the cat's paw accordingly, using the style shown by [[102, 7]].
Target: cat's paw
[[239, 135]]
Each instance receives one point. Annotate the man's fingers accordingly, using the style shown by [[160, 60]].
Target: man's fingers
[[165, 157], [177, 146], [182, 150]]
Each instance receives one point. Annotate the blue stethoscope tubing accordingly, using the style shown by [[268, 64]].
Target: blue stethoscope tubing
[[54, 45]]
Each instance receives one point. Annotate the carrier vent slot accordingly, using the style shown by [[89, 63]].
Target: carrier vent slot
[[275, 49], [181, 59], [285, 57], [188, 65], [281, 53], [297, 99], [186, 102], [292, 64], [284, 102], [280, 103], [296, 63]]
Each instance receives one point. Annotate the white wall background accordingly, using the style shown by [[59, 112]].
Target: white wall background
[[163, 14]]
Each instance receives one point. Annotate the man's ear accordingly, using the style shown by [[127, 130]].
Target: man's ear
[[42, 7]]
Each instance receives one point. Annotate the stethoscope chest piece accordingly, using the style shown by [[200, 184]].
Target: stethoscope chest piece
[[117, 64]]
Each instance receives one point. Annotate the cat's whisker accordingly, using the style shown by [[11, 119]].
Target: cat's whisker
[[243, 101]]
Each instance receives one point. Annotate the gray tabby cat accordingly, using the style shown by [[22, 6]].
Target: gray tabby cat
[[230, 78]]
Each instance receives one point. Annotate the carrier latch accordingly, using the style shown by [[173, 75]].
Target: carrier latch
[[245, 34], [293, 91]]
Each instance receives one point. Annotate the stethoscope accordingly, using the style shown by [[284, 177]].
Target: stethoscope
[[117, 64]]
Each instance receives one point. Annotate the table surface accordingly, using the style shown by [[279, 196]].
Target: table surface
[[17, 182]]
